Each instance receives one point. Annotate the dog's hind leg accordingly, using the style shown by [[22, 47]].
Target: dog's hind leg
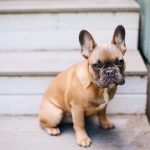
[[50, 116]]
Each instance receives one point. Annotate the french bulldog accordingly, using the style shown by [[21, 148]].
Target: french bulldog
[[86, 88]]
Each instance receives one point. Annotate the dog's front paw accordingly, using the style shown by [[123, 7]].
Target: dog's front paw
[[83, 140], [106, 124]]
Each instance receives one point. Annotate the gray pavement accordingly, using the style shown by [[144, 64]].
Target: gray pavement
[[24, 133]]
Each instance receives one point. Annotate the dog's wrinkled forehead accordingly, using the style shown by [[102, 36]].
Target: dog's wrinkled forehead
[[105, 53]]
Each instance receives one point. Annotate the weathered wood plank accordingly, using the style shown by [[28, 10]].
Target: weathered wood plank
[[128, 104], [58, 40], [38, 85], [72, 21], [19, 104], [29, 104], [55, 6], [51, 63]]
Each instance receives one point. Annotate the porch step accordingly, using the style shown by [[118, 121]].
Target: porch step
[[131, 133], [65, 6], [51, 63], [25, 76], [41, 25]]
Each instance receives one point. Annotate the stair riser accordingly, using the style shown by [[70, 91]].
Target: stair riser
[[38, 85], [56, 40], [50, 63], [68, 21], [29, 104], [60, 30]]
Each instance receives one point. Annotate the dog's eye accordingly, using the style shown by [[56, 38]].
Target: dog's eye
[[97, 65], [119, 62]]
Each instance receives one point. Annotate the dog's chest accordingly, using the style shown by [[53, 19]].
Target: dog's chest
[[97, 103]]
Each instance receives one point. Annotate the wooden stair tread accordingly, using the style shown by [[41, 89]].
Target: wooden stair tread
[[33, 6], [51, 63]]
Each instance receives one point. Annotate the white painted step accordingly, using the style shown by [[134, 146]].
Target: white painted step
[[55, 6], [51, 63], [25, 76], [30, 104], [49, 24], [32, 85]]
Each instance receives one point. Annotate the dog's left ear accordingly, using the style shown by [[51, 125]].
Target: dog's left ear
[[87, 43], [119, 38]]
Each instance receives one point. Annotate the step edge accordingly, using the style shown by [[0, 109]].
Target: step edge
[[10, 74], [68, 10]]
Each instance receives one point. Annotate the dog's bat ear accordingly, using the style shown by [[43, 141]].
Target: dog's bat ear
[[119, 38], [87, 43]]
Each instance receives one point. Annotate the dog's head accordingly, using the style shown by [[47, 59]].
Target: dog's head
[[105, 61]]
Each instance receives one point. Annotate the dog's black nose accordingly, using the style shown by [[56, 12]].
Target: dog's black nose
[[110, 73]]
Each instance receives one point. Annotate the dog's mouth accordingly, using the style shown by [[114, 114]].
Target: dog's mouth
[[110, 82]]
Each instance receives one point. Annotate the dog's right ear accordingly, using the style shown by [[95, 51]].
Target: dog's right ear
[[87, 43]]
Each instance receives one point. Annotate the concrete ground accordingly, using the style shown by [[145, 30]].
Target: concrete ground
[[24, 133]]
